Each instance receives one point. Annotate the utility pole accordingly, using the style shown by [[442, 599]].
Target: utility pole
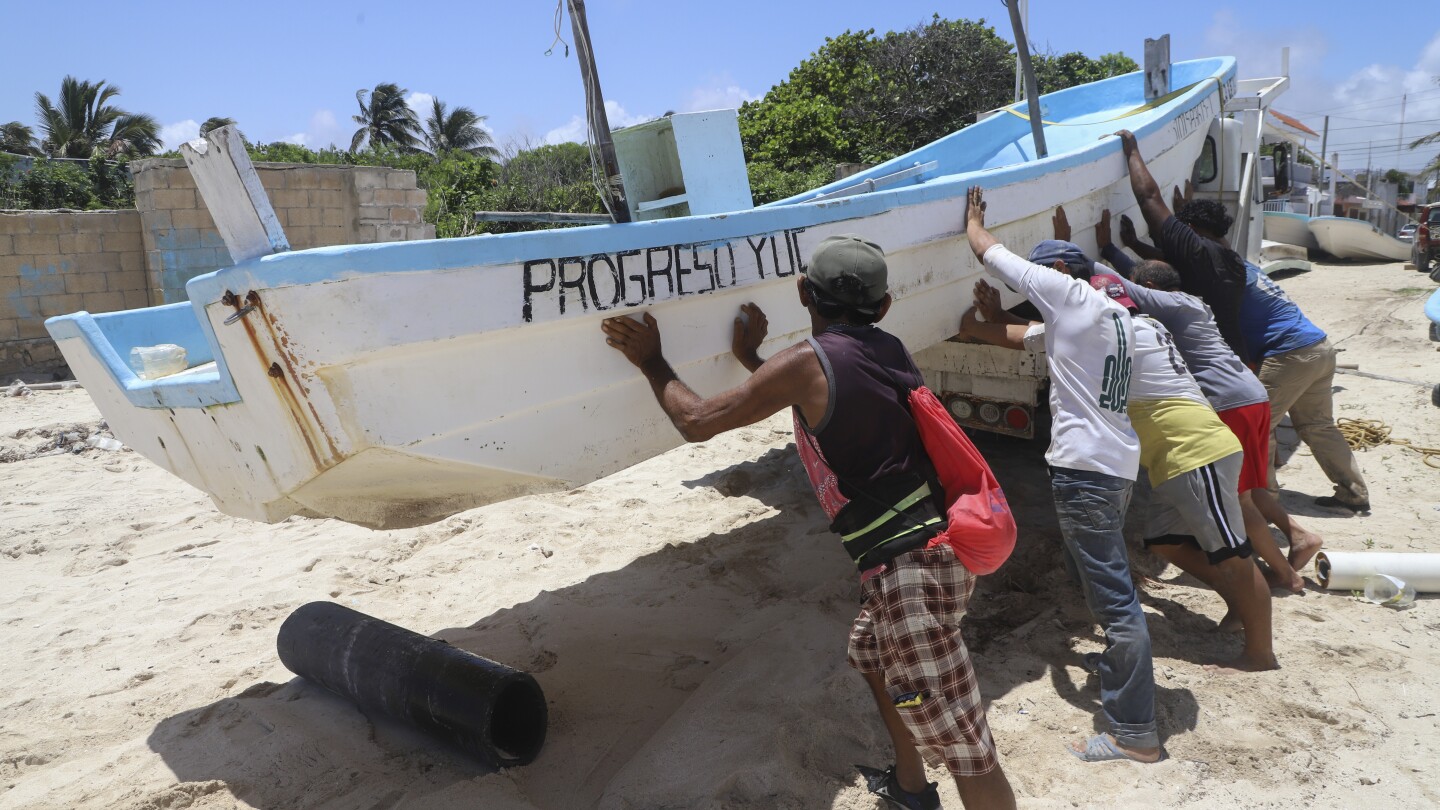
[[1324, 138], [1369, 178], [1334, 173], [1032, 94], [1400, 139], [598, 122]]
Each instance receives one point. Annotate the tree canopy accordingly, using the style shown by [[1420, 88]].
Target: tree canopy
[[458, 130], [863, 98], [82, 121], [214, 122], [17, 138], [385, 119], [1431, 169]]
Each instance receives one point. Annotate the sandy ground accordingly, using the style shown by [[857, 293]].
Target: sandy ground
[[686, 619]]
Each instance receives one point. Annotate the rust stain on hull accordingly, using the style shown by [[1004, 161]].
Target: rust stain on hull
[[318, 443]]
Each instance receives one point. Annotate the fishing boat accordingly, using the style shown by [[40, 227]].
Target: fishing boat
[[1357, 239], [394, 384], [1289, 228]]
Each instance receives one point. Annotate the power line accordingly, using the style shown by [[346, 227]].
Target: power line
[[1386, 124], [1374, 102]]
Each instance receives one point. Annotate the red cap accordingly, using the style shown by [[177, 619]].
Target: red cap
[[1113, 287]]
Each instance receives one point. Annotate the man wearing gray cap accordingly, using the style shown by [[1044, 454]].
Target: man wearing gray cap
[[848, 386]]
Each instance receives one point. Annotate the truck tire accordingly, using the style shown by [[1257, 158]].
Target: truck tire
[[1422, 260]]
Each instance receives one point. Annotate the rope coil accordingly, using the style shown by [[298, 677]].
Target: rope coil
[[1363, 434]]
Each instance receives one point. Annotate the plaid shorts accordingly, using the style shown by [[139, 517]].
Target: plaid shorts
[[909, 629]]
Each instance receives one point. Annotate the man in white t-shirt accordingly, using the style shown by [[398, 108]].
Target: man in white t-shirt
[[1094, 456]]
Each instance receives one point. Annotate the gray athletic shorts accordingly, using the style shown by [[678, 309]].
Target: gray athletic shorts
[[1200, 507]]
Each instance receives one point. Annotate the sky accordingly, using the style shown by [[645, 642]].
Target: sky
[[290, 71]]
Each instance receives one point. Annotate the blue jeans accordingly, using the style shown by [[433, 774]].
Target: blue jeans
[[1091, 508]]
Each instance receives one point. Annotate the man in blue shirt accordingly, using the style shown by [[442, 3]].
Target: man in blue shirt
[[1297, 365]]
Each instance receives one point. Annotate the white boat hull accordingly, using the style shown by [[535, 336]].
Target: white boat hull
[[1357, 239], [395, 384], [1289, 229]]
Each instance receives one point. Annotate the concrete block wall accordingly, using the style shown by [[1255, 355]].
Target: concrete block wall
[[316, 205], [57, 262]]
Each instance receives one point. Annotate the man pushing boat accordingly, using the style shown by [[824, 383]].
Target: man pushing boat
[[849, 386]]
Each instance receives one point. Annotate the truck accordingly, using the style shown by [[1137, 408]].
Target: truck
[[1425, 248]]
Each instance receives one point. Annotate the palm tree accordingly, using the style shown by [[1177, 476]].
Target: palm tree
[[386, 120], [84, 121], [457, 131], [135, 135], [17, 138], [214, 122], [1432, 169]]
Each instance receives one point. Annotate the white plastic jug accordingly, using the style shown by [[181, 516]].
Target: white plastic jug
[[153, 362]]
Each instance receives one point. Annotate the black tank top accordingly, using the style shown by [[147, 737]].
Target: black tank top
[[867, 433]]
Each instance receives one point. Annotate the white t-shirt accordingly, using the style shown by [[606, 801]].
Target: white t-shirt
[[1090, 345], [1159, 371]]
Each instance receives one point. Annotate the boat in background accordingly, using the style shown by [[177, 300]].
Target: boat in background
[[395, 384], [1290, 229], [1357, 239]]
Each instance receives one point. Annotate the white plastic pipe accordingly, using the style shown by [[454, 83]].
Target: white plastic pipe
[[1347, 570]]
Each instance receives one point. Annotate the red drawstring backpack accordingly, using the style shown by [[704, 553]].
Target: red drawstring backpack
[[981, 527]]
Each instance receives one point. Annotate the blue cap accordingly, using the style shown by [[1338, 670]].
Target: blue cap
[[1052, 250]]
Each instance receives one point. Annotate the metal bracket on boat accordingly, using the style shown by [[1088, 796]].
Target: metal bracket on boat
[[230, 299], [874, 183]]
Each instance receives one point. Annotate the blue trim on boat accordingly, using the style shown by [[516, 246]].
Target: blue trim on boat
[[112, 335], [992, 153]]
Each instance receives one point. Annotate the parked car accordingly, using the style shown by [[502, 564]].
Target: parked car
[[1425, 249], [1407, 232]]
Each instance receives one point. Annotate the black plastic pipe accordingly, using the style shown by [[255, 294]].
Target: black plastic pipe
[[486, 709]]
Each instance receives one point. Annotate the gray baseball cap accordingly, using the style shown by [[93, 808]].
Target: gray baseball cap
[[850, 270]]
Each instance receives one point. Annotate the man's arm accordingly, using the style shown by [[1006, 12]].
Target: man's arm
[[792, 377], [1147, 192], [1008, 335], [1114, 256]]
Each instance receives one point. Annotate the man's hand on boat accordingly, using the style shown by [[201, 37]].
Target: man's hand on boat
[[1128, 236], [987, 301], [751, 328], [980, 239], [1061, 224], [1102, 231], [639, 341], [1127, 141]]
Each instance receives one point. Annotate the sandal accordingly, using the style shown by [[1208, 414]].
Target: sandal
[[887, 786], [1100, 749]]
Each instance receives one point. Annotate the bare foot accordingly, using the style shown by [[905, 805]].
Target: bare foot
[[1304, 545], [1231, 624], [1293, 583], [1243, 664]]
